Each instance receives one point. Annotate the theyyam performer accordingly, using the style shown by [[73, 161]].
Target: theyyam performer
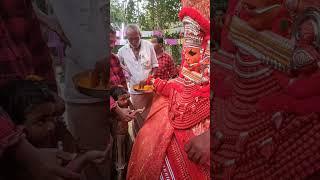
[[174, 141], [266, 124]]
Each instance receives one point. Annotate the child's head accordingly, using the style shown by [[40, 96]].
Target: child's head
[[121, 95], [32, 105]]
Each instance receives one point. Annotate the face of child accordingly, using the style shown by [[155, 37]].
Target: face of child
[[123, 100], [40, 122]]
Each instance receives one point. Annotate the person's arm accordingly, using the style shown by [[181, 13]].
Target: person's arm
[[171, 68], [154, 66], [28, 155], [198, 148], [163, 87], [154, 61], [122, 63], [124, 115], [12, 139]]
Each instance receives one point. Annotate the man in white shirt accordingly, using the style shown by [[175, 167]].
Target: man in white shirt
[[139, 59], [83, 22]]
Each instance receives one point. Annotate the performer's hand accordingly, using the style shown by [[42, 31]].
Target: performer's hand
[[198, 148]]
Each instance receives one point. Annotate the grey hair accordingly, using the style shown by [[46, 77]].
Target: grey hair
[[133, 27]]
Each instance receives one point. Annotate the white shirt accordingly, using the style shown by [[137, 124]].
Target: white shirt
[[138, 69], [83, 22]]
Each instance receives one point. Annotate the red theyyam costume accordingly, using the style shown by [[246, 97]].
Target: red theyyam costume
[[181, 110], [267, 125]]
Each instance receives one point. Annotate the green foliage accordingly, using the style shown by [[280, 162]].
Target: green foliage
[[172, 35], [176, 53], [149, 14], [162, 13], [131, 14], [117, 15]]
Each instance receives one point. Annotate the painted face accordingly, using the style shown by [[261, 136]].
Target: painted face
[[192, 55]]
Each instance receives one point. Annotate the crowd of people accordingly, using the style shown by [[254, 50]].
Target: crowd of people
[[45, 136]]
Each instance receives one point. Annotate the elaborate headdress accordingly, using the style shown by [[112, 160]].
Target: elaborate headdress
[[195, 15]]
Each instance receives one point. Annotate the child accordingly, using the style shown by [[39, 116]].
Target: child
[[122, 146], [12, 139], [33, 106]]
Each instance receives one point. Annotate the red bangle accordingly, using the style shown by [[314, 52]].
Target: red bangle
[[149, 79]]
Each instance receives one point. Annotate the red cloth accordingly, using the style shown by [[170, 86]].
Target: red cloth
[[148, 151], [226, 43], [22, 49], [163, 87], [166, 69], [8, 132], [189, 104], [301, 97], [286, 103], [151, 147], [305, 87], [282, 17]]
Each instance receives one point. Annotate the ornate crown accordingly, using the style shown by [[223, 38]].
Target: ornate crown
[[195, 15]]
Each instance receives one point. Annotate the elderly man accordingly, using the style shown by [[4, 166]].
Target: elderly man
[[139, 60]]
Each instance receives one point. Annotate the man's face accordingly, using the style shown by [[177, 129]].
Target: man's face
[[112, 39], [156, 45], [133, 38]]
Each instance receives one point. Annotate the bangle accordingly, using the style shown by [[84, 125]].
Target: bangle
[[149, 79]]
